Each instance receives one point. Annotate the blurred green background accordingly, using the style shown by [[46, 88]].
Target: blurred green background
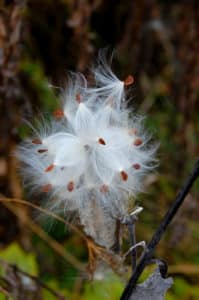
[[158, 43]]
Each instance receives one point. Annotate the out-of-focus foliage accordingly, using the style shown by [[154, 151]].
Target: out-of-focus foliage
[[13, 254], [158, 43]]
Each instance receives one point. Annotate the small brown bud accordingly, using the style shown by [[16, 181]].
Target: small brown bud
[[58, 114], [101, 141], [138, 142], [104, 188], [78, 98], [37, 141], [133, 131], [46, 188], [70, 186], [129, 80], [49, 168], [124, 175], [42, 150], [136, 166]]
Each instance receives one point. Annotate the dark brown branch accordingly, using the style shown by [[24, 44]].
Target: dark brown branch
[[160, 231]]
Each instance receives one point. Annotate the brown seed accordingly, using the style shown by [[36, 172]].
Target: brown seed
[[138, 142], [124, 175], [42, 150], [49, 168], [78, 98], [70, 186], [58, 114], [37, 141], [104, 188], [136, 166], [129, 80], [46, 188], [101, 141], [133, 131]]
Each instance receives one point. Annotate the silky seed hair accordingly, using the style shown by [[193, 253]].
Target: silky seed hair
[[92, 155]]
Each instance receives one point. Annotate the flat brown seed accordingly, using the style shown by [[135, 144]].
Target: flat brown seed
[[46, 188], [78, 98], [104, 188], [138, 142], [124, 175], [42, 150], [129, 80], [49, 168], [70, 186], [133, 131], [101, 141], [37, 141], [136, 166], [59, 113]]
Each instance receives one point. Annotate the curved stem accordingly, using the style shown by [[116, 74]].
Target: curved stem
[[160, 231]]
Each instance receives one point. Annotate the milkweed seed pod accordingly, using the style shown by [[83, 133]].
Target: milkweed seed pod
[[92, 156]]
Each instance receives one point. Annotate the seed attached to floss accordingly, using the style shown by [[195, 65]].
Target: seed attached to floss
[[124, 175], [46, 188], [136, 166], [37, 142], [132, 131], [104, 188], [92, 150], [42, 150], [138, 142], [70, 186], [101, 141], [58, 114], [78, 98], [49, 168], [129, 80]]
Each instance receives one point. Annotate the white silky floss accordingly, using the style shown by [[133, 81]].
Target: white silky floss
[[92, 156]]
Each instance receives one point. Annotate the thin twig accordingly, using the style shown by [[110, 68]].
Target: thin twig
[[130, 223], [140, 244], [4, 289], [131, 229], [39, 282], [34, 278], [58, 248], [44, 211], [160, 231]]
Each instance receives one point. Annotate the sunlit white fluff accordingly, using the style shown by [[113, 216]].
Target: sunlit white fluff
[[92, 157]]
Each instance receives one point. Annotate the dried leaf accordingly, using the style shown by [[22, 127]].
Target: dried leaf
[[154, 287]]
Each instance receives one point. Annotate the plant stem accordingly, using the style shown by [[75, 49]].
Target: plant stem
[[160, 231], [131, 228]]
